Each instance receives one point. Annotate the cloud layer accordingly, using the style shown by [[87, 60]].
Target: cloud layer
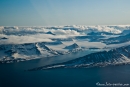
[[39, 34]]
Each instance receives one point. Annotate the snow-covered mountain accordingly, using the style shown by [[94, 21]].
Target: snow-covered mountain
[[73, 46], [13, 52], [117, 40], [113, 57], [18, 52], [125, 32], [49, 32], [26, 43]]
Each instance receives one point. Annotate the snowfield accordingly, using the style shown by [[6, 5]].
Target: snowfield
[[26, 43]]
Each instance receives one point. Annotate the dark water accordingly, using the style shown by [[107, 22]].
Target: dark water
[[13, 75]]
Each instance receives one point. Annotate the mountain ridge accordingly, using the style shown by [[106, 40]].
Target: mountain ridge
[[116, 56]]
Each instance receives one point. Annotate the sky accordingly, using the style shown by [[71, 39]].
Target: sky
[[64, 12]]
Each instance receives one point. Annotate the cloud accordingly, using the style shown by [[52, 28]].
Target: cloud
[[38, 34], [87, 29], [23, 39], [65, 32], [105, 29]]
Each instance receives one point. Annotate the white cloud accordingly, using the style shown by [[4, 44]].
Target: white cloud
[[23, 39], [65, 32], [61, 32]]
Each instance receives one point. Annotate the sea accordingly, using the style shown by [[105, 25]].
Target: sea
[[15, 74]]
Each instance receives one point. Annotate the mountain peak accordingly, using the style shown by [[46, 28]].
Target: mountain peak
[[49, 32], [73, 46]]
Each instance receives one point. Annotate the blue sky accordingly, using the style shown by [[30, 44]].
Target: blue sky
[[64, 12]]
